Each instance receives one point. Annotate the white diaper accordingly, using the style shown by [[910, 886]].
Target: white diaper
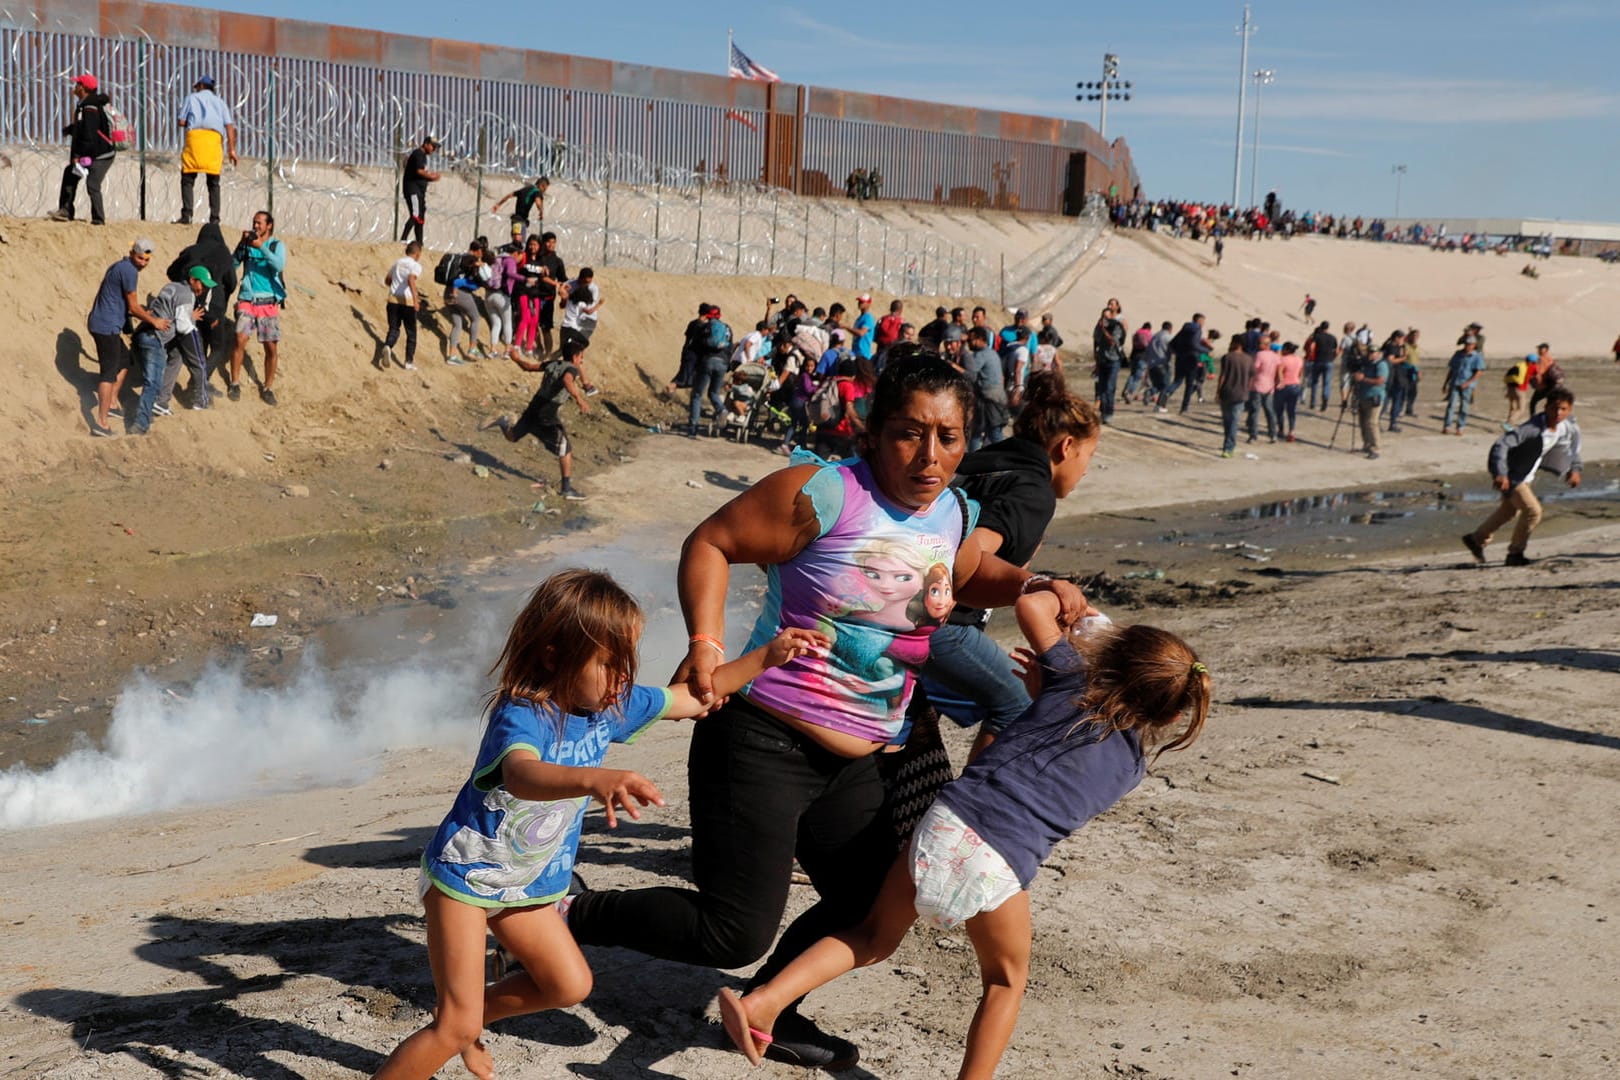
[[956, 873]]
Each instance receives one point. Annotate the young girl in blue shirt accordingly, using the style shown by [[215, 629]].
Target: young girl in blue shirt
[[504, 855], [1101, 697]]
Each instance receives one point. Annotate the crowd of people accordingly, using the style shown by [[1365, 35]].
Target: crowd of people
[[186, 323], [815, 369], [1196, 220]]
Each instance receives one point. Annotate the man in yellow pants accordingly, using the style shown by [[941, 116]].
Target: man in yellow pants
[[210, 139]]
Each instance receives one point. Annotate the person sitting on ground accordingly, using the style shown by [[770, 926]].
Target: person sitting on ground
[[1550, 441], [1106, 695], [543, 417]]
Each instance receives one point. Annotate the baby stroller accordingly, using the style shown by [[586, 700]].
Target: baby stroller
[[745, 397]]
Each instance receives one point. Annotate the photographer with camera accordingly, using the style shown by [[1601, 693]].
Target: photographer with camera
[[262, 259]]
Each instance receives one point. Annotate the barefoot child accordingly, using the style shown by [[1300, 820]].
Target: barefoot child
[[503, 856], [1102, 698]]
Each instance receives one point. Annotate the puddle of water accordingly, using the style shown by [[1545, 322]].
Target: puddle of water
[[1216, 541]]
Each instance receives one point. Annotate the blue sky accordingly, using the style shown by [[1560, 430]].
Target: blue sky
[[1495, 107]]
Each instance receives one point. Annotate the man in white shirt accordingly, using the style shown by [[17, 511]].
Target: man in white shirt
[[403, 304]]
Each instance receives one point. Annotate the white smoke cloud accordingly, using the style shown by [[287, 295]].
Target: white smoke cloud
[[222, 738]]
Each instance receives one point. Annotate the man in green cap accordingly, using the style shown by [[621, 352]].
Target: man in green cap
[[183, 303]]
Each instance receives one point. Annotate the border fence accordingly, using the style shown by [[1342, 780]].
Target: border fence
[[672, 171]]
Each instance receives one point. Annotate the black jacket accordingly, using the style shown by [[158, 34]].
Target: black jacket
[[88, 129], [211, 251], [1012, 482]]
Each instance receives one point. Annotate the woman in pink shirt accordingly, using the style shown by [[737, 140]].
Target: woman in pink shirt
[[1290, 365], [1261, 389]]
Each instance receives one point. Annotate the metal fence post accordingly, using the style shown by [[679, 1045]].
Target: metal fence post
[[270, 149], [607, 209], [832, 270], [399, 140], [658, 213], [776, 211], [478, 186], [697, 236], [140, 114], [739, 230], [806, 273]]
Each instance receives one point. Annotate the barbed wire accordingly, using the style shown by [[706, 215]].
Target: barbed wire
[[323, 144]]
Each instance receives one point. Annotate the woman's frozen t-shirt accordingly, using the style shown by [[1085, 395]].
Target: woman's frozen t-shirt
[[1044, 777], [877, 581], [497, 850]]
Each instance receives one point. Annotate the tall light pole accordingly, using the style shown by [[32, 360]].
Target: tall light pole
[[1243, 85], [1109, 89], [1262, 78], [1399, 171]]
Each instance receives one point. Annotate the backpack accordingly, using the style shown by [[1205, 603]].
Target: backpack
[[813, 341], [1515, 376], [825, 408], [449, 264], [717, 337], [116, 128], [888, 330]]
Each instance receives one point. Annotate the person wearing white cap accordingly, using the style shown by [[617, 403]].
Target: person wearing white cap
[[210, 139], [865, 328]]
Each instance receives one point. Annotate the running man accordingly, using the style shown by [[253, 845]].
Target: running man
[[1550, 441], [543, 417]]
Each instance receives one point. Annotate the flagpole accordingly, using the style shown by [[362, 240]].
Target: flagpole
[[728, 51]]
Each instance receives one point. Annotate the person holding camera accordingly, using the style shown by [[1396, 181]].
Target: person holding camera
[[262, 259]]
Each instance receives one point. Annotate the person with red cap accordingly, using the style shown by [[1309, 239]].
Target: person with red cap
[[90, 151]]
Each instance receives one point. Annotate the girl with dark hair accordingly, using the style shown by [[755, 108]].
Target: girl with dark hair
[[788, 766], [503, 857]]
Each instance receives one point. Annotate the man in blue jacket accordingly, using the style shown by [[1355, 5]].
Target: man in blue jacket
[[1550, 441]]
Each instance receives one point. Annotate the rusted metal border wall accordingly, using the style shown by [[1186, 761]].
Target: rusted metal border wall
[[482, 99]]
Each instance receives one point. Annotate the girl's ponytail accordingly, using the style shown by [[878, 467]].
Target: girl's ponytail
[[1143, 679]]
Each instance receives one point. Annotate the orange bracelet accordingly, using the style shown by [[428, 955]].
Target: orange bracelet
[[710, 640]]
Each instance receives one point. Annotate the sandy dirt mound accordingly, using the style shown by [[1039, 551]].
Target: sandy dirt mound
[[1572, 305]]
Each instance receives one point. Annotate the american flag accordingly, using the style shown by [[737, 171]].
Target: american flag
[[744, 68]]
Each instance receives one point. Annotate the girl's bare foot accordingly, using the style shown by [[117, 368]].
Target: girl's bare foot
[[478, 1061]]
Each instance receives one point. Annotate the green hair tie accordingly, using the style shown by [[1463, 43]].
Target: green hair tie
[[1199, 668]]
